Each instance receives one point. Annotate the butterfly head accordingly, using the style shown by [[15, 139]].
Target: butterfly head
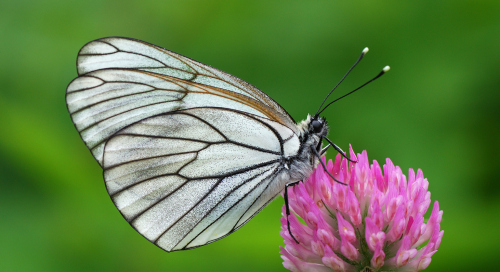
[[313, 125], [317, 126], [312, 130]]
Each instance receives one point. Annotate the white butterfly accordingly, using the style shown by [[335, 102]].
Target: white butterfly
[[189, 153]]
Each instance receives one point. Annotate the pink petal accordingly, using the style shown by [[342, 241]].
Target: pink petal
[[405, 253], [374, 211], [424, 258], [333, 261], [339, 194], [392, 207], [354, 211], [377, 173], [326, 236], [352, 155], [435, 217], [398, 226], [377, 260], [300, 231], [346, 231], [294, 264], [349, 250], [302, 251], [411, 177], [374, 237], [416, 228]]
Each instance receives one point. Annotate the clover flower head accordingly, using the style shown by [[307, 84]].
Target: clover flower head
[[374, 223]]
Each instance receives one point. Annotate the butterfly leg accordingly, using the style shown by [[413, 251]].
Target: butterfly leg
[[324, 166], [323, 151], [339, 150], [287, 207]]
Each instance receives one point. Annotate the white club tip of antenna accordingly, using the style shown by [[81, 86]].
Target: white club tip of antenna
[[386, 69], [365, 50]]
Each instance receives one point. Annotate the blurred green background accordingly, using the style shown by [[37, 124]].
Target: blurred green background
[[437, 109]]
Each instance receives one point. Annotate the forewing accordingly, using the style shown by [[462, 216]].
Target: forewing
[[122, 81], [187, 178]]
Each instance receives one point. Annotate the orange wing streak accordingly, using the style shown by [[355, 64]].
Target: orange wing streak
[[245, 100], [278, 114]]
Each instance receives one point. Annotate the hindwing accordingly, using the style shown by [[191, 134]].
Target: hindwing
[[188, 178]]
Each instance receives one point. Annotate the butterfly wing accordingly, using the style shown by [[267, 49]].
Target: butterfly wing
[[122, 81], [189, 153], [190, 177]]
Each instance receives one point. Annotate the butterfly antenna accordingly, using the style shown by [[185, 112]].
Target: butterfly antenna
[[363, 53], [384, 70]]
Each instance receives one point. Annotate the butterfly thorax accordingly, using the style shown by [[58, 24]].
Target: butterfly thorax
[[311, 132]]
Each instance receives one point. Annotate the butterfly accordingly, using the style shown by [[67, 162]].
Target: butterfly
[[189, 153]]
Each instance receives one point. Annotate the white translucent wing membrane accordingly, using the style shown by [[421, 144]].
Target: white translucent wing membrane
[[189, 153], [122, 81], [188, 178]]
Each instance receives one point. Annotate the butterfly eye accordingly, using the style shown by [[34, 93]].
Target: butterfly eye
[[317, 126]]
